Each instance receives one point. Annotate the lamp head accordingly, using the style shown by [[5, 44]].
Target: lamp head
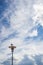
[[12, 47]]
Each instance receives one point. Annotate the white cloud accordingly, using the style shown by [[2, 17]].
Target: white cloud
[[38, 13], [20, 19], [34, 33]]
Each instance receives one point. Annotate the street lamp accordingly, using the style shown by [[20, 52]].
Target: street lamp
[[12, 50]]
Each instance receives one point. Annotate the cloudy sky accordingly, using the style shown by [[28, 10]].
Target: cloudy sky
[[21, 23]]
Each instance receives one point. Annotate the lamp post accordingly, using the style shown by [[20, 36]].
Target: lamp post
[[12, 50]]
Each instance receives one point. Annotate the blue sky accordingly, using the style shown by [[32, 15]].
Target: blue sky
[[21, 23]]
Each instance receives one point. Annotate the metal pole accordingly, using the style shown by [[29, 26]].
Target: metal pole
[[12, 57]]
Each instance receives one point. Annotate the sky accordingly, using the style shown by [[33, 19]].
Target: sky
[[21, 24]]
